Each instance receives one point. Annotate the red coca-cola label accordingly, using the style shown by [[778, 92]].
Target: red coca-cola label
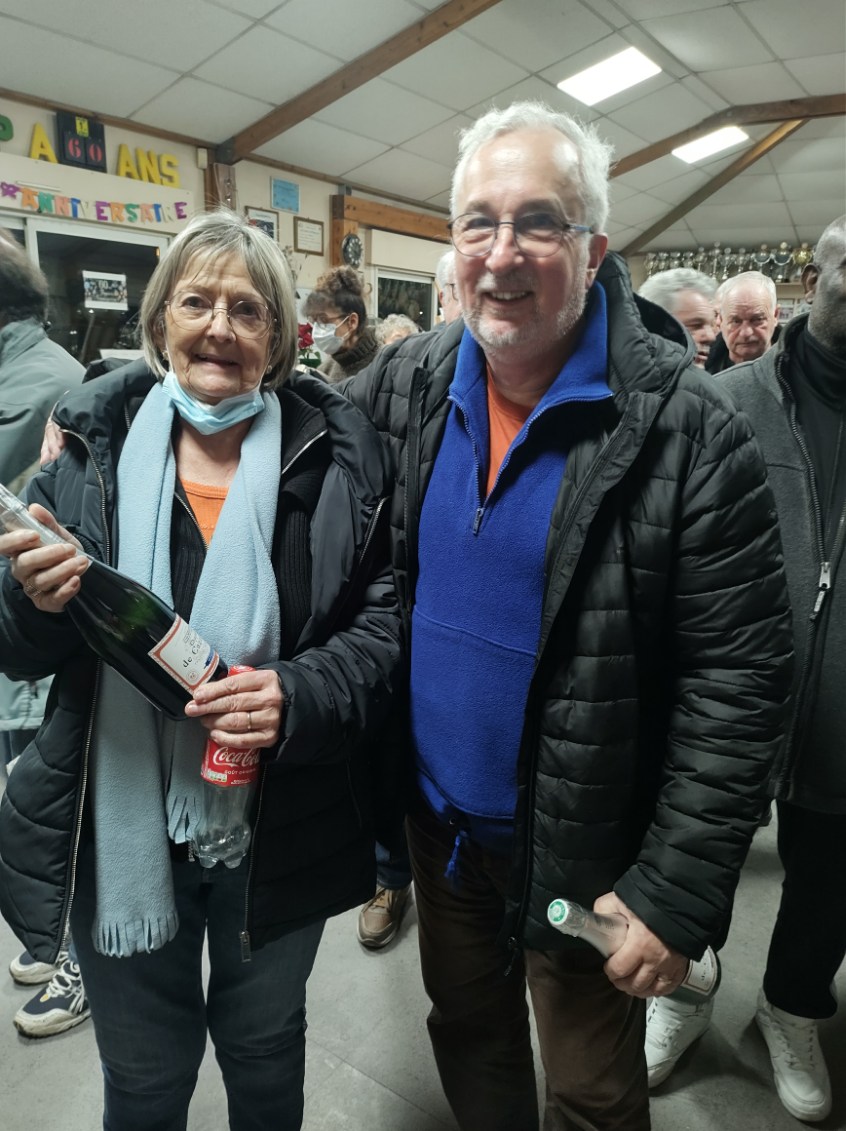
[[225, 766]]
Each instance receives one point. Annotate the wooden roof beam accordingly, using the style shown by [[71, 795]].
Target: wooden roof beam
[[759, 150], [825, 106], [370, 65]]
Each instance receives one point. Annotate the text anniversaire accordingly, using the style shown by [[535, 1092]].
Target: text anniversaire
[[105, 211]]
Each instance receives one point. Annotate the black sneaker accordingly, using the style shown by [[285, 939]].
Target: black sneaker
[[61, 1005], [28, 971]]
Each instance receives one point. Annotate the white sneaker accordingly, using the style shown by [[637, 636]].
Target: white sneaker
[[60, 1006], [671, 1028], [801, 1077], [28, 971]]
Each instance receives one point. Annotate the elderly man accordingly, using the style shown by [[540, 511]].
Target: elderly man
[[747, 318], [600, 641], [795, 398], [447, 290], [689, 296]]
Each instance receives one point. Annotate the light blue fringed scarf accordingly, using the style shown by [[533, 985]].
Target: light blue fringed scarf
[[145, 769]]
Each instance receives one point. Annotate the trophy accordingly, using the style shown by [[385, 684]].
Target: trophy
[[783, 261], [699, 259], [687, 260], [802, 256], [763, 260], [649, 263], [743, 260]]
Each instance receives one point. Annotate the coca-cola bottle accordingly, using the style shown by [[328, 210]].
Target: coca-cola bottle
[[128, 626], [608, 933], [223, 832]]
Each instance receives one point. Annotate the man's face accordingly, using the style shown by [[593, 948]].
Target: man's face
[[450, 305], [825, 282], [511, 301], [748, 321], [696, 314]]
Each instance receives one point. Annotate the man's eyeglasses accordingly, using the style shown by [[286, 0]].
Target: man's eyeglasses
[[247, 318], [452, 290], [536, 234]]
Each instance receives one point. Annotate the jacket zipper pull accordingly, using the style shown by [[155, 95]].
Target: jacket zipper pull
[[477, 521], [246, 952], [824, 586]]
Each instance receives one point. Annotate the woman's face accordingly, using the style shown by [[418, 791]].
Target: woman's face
[[210, 359]]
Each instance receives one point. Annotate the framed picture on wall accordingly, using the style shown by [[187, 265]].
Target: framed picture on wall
[[264, 218], [308, 235]]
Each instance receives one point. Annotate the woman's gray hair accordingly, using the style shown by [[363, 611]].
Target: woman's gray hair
[[221, 233], [594, 153]]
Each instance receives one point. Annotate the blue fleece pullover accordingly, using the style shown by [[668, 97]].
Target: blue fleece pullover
[[477, 613]]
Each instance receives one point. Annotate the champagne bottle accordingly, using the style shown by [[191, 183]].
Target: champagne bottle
[[129, 627], [608, 933]]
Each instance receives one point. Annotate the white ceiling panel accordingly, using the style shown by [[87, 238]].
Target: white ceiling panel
[[555, 31], [675, 190], [342, 28], [679, 238], [812, 186], [639, 210], [121, 86], [384, 112], [815, 154], [191, 103], [822, 74], [812, 216], [456, 71], [326, 149], [407, 174], [749, 190], [649, 9], [439, 200], [661, 114], [441, 142], [535, 88], [709, 40], [623, 140], [766, 82], [741, 217], [194, 29], [792, 31], [707, 234], [666, 170], [265, 64], [257, 9]]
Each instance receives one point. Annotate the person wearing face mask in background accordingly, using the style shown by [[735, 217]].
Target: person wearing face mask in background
[[336, 311]]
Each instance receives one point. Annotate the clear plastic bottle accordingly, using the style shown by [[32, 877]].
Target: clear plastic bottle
[[230, 778], [608, 933]]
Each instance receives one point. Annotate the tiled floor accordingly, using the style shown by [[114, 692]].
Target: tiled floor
[[369, 1067]]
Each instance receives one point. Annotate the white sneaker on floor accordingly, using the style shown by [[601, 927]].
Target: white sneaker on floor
[[61, 1005], [28, 971], [799, 1071], [671, 1028]]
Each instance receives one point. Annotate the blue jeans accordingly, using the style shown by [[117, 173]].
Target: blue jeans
[[151, 1016]]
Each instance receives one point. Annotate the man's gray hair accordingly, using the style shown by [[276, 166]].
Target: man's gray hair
[[205, 238], [664, 288], [445, 271], [755, 279], [394, 324], [594, 153]]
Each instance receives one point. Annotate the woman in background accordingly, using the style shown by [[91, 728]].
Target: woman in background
[[338, 317]]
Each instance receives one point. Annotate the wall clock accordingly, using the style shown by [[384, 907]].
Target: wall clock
[[352, 249]]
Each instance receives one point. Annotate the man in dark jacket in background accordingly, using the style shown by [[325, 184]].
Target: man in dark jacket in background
[[587, 555], [795, 397]]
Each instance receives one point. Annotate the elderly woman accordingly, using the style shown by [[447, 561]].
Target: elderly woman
[[339, 329], [254, 507]]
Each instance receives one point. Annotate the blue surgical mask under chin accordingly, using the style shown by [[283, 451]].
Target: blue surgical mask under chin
[[211, 418]]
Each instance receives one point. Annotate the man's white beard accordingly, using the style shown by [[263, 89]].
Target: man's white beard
[[529, 333]]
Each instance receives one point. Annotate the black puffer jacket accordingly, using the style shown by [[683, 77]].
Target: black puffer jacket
[[313, 848], [664, 660]]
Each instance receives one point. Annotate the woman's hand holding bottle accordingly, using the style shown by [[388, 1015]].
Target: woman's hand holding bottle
[[243, 710], [49, 574]]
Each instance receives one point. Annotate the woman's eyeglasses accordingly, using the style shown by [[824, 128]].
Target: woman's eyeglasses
[[247, 318]]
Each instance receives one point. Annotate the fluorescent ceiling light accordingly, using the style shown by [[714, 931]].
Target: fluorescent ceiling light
[[710, 144], [618, 73]]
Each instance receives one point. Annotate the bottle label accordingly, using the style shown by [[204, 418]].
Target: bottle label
[[225, 767], [702, 975], [185, 656]]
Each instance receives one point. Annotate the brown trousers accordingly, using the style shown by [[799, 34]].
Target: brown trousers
[[590, 1034]]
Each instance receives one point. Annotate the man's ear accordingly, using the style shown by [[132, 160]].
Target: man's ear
[[598, 247], [810, 275]]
